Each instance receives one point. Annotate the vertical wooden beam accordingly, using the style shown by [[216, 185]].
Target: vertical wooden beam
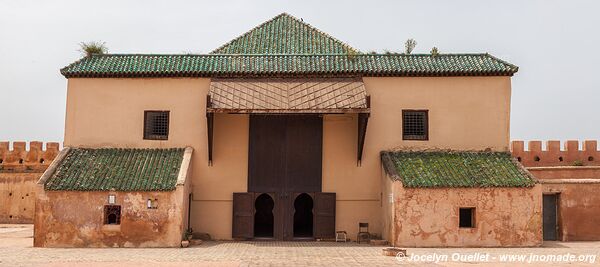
[[210, 117], [363, 119]]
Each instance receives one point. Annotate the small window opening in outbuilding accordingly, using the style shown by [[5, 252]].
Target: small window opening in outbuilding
[[560, 159], [20, 161], [466, 218], [152, 203], [112, 214], [536, 158], [112, 199], [590, 158]]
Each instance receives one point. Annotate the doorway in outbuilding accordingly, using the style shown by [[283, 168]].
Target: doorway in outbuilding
[[550, 216]]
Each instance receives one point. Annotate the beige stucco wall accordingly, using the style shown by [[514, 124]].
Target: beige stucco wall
[[503, 217], [387, 207], [465, 113]]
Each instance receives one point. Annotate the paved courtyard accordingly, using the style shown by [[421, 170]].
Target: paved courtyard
[[16, 250]]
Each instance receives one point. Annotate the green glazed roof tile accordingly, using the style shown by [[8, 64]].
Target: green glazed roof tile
[[456, 169], [85, 169], [286, 46], [284, 34], [213, 65]]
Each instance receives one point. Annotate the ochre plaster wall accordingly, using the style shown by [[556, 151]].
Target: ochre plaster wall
[[465, 113], [76, 219], [503, 217]]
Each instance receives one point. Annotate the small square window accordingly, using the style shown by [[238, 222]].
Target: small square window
[[156, 125], [466, 218], [112, 199], [415, 125], [112, 214]]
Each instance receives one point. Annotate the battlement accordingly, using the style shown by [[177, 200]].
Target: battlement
[[570, 155], [19, 159]]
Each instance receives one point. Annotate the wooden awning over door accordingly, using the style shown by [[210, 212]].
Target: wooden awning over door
[[332, 95], [289, 96]]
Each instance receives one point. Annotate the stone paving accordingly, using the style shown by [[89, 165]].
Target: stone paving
[[16, 250]]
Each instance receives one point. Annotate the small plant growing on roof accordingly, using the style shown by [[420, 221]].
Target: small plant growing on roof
[[93, 48], [388, 52], [435, 51], [351, 54], [409, 46]]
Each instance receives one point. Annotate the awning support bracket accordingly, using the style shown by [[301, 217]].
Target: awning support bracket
[[210, 118], [363, 120]]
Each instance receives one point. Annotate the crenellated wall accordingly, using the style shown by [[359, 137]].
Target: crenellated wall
[[19, 159], [19, 171], [574, 175], [553, 155]]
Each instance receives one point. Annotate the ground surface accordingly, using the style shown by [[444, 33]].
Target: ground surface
[[16, 250]]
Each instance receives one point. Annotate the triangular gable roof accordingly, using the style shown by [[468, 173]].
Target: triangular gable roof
[[285, 34]]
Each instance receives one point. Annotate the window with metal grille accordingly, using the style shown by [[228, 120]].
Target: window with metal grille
[[415, 125], [112, 214], [156, 125]]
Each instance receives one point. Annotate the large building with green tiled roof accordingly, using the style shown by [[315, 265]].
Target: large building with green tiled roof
[[295, 135]]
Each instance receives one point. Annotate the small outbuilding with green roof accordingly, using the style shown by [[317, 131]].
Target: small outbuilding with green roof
[[114, 197], [459, 198]]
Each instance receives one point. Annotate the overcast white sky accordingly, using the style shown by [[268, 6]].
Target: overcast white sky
[[556, 44]]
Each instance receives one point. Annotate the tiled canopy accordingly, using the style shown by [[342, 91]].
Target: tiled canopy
[[288, 96]]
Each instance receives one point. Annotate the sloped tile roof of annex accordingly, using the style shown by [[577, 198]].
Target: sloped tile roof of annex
[[287, 46], [434, 169], [120, 169]]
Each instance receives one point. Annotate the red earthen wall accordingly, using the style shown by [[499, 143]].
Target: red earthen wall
[[559, 172], [19, 171], [553, 155], [429, 217], [76, 219]]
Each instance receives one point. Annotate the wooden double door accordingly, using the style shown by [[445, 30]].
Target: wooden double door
[[284, 199], [283, 216]]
